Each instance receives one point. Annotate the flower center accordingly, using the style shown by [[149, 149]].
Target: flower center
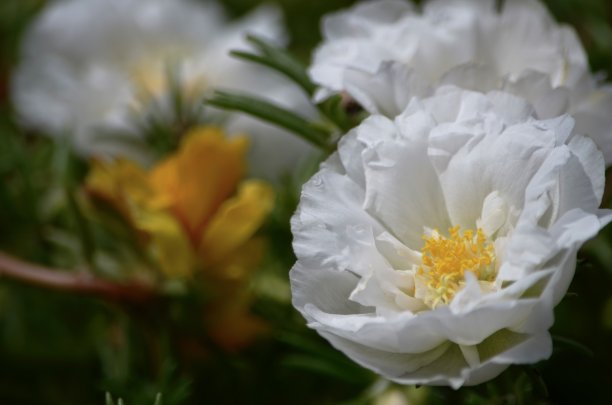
[[153, 80], [446, 259]]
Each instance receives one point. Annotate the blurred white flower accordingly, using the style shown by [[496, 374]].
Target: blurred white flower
[[89, 66], [385, 52], [432, 248]]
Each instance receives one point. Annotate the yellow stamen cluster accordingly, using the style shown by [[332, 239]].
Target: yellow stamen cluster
[[445, 261]]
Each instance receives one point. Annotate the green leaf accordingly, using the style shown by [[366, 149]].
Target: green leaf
[[599, 248], [335, 111], [273, 114], [319, 366], [280, 60], [320, 358], [70, 181], [277, 59], [562, 342]]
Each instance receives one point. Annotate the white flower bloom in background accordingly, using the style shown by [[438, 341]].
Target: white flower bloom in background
[[432, 248], [387, 51], [89, 66]]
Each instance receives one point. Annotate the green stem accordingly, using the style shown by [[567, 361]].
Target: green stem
[[83, 229]]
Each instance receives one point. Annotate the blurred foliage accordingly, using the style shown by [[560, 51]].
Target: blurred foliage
[[58, 348]]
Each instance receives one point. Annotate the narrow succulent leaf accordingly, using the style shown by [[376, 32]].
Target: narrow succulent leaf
[[70, 179], [318, 366], [561, 341], [323, 357], [273, 114], [287, 69], [333, 109], [283, 62]]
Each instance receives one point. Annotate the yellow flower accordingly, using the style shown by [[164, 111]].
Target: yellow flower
[[194, 212], [121, 183], [193, 207], [126, 187], [197, 184]]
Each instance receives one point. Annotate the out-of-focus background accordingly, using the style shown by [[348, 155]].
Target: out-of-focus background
[[60, 348]]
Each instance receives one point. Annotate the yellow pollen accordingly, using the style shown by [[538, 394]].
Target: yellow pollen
[[446, 259]]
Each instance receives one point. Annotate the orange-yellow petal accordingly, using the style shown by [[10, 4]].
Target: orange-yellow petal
[[235, 328], [126, 186], [164, 180], [239, 265], [204, 172], [168, 244], [121, 183], [230, 323], [236, 221]]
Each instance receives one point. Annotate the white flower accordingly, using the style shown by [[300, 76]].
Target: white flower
[[89, 66], [385, 52], [433, 248]]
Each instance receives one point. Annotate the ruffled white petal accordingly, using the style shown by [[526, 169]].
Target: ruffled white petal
[[403, 202], [386, 91], [400, 53], [463, 159]]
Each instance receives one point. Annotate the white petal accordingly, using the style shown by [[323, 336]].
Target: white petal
[[472, 77], [469, 44], [505, 349], [322, 236], [357, 21], [470, 354], [328, 290], [485, 161], [399, 255], [386, 91], [494, 214], [593, 119], [471, 166], [535, 86], [401, 200], [390, 364]]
